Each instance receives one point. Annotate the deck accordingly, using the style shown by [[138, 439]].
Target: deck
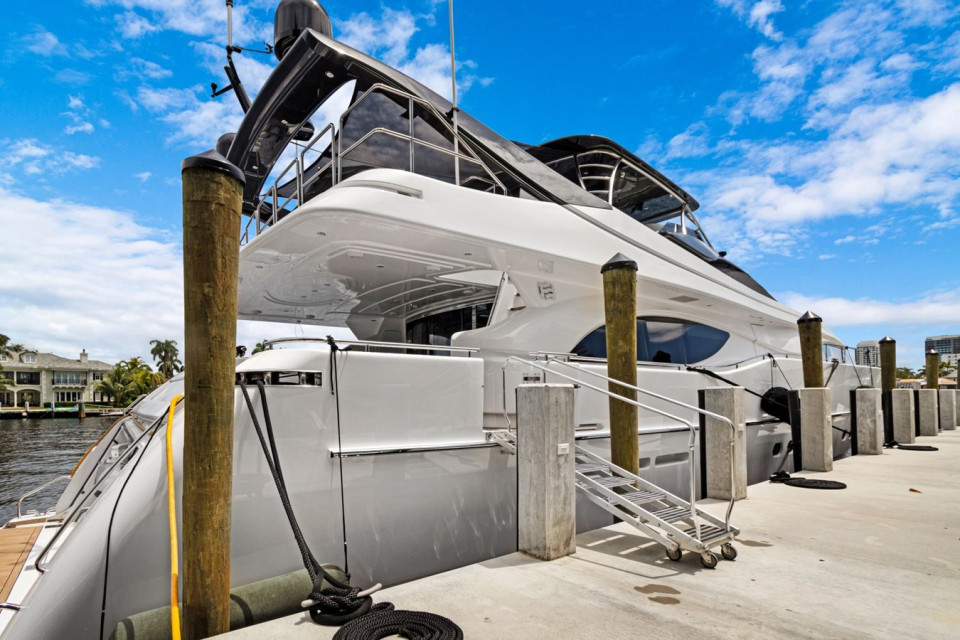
[[880, 559], [15, 545]]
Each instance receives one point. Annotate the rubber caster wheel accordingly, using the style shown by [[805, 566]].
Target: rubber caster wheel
[[709, 560], [728, 551], [675, 555]]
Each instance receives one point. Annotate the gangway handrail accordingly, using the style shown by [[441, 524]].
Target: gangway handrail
[[703, 412], [690, 426], [38, 490]]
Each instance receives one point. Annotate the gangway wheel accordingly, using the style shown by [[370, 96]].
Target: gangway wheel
[[709, 560], [675, 554], [728, 551]]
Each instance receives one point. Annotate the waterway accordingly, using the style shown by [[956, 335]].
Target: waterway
[[34, 451]]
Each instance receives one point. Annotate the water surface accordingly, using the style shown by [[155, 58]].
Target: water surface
[[34, 451]]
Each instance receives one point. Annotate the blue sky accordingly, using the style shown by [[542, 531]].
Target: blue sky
[[822, 140]]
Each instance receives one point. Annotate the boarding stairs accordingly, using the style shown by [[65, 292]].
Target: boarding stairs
[[672, 521], [668, 519]]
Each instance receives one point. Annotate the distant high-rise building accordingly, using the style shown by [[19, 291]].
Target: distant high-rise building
[[868, 353], [946, 346]]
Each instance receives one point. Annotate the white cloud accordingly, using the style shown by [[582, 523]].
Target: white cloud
[[827, 256], [79, 127], [32, 157], [44, 43], [88, 277], [193, 17], [195, 120], [132, 25], [756, 14], [93, 278], [931, 308], [78, 112], [143, 176], [388, 39]]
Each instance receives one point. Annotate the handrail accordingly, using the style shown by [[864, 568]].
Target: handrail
[[71, 516], [461, 151], [375, 344], [621, 398], [38, 490]]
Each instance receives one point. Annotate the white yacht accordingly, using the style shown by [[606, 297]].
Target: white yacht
[[465, 264]]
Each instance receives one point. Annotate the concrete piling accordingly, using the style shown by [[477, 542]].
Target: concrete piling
[[928, 412], [620, 311], [948, 409], [810, 327], [869, 425], [545, 470], [888, 382], [715, 439], [902, 414], [212, 198], [816, 429]]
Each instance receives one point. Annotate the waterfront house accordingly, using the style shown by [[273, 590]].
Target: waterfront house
[[41, 379]]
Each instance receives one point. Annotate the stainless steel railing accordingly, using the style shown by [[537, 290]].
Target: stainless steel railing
[[38, 490], [690, 426], [270, 206]]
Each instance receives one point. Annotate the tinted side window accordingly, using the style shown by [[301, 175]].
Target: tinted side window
[[661, 340]]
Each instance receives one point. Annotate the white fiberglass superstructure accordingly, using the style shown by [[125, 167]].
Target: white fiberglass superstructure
[[455, 256]]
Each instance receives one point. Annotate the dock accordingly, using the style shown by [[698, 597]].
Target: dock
[[879, 559]]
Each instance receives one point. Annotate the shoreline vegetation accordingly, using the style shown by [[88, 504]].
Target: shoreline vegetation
[[118, 388]]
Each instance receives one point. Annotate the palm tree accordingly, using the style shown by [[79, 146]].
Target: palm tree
[[262, 346], [127, 381], [115, 385], [4, 351], [167, 356]]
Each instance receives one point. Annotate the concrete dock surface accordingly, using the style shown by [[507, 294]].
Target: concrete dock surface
[[880, 559]]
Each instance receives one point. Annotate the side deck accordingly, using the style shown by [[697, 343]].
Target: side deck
[[15, 546]]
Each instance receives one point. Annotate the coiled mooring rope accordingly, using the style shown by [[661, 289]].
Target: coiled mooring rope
[[413, 625]]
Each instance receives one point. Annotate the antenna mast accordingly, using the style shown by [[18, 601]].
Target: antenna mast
[[453, 80]]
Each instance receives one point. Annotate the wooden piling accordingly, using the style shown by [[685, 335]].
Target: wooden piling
[[212, 199], [810, 326], [888, 382], [933, 369], [620, 311]]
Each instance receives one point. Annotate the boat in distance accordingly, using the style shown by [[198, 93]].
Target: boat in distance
[[465, 264]]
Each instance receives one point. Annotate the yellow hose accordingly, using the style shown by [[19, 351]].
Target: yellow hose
[[172, 506]]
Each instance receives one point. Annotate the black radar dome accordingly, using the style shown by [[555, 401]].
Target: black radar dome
[[295, 16]]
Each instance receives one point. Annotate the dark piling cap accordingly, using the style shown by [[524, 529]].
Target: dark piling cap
[[213, 160], [887, 340], [619, 261], [809, 316]]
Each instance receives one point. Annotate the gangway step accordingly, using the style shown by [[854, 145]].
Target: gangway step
[[642, 497], [612, 481], [708, 533], [590, 467], [672, 514]]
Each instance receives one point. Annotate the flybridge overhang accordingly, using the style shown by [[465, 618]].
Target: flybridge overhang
[[611, 172], [315, 67]]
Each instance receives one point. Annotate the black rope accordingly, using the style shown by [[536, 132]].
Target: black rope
[[335, 390], [309, 562], [414, 625], [331, 602], [836, 365], [719, 377]]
